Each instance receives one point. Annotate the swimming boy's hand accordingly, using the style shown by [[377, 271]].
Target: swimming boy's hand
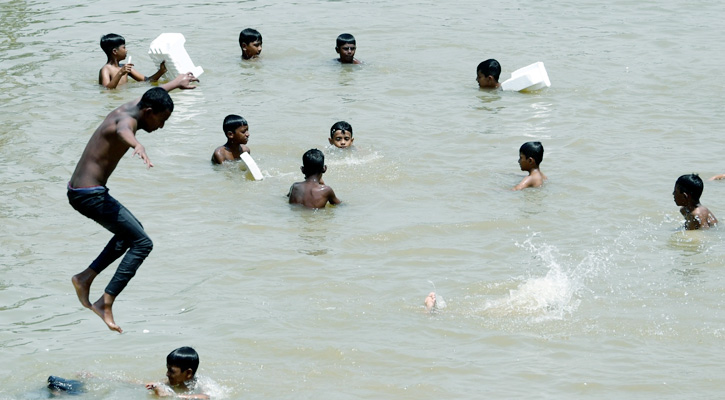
[[160, 390], [141, 151], [126, 69], [182, 81]]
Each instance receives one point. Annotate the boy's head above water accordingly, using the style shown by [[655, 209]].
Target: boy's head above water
[[487, 74], [688, 190], [250, 40], [346, 47], [236, 129], [341, 135], [530, 155], [111, 42], [181, 365], [313, 163]]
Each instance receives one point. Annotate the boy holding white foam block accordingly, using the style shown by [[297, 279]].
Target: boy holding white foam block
[[236, 130], [113, 74]]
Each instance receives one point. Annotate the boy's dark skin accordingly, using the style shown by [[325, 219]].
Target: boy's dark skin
[[236, 145], [113, 74], [312, 192], [696, 215], [177, 379], [110, 141]]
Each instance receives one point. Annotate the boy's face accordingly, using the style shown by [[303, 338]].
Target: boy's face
[[251, 50], [341, 139], [526, 164], [240, 135], [485, 82], [154, 120], [346, 52], [680, 198], [177, 376], [120, 52]]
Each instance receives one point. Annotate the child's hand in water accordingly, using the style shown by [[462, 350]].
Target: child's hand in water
[[160, 389]]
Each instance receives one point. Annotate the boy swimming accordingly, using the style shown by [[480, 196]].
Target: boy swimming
[[250, 40], [688, 189], [181, 366], [530, 156], [312, 192], [113, 74], [88, 194], [345, 47], [237, 131], [487, 74], [341, 135]]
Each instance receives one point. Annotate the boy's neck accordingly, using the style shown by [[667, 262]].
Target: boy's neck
[[532, 170], [113, 61], [313, 178]]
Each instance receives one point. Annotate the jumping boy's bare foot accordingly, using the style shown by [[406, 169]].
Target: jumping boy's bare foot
[[430, 301], [82, 283], [102, 307]]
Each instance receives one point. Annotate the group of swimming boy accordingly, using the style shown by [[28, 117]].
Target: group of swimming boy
[[88, 194]]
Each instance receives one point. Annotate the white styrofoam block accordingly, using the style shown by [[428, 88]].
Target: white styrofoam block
[[252, 167], [169, 47], [530, 77]]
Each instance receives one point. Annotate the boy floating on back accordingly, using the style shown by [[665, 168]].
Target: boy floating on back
[[688, 190], [487, 74], [250, 40], [341, 135], [88, 194], [346, 47], [237, 131], [312, 192], [530, 156], [113, 74]]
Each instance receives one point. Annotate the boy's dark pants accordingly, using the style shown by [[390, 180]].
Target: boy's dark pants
[[96, 204]]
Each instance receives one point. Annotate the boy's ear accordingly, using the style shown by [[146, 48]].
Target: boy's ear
[[337, 50], [302, 168], [330, 140], [324, 169], [230, 134], [188, 374]]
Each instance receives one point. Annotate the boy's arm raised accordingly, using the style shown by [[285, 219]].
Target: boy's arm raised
[[162, 70]]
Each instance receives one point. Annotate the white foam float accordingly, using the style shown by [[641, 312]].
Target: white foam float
[[252, 167], [169, 47], [529, 78]]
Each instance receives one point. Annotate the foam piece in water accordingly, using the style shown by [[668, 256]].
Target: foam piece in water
[[252, 167], [531, 77], [169, 47]]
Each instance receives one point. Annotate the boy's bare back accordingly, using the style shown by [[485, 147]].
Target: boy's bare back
[[312, 194], [535, 179], [699, 218]]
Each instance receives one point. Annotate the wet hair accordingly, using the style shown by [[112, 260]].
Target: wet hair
[[249, 35], [314, 162], [489, 67], [534, 150], [692, 185], [158, 99], [344, 39], [340, 126], [232, 122], [184, 358], [110, 42]]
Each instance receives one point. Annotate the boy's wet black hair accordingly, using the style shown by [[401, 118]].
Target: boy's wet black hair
[[158, 99], [344, 39], [232, 122], [313, 161], [534, 150], [110, 42], [692, 185], [184, 358], [249, 35], [340, 126], [489, 67]]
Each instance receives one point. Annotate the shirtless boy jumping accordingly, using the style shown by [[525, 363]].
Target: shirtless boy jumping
[[88, 194]]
